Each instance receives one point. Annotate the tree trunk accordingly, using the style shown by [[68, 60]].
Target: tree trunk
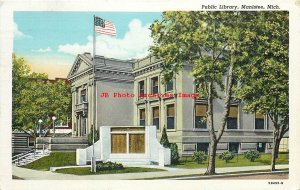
[[211, 167], [213, 143], [275, 149]]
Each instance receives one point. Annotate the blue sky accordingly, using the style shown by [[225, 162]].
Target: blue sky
[[53, 39]]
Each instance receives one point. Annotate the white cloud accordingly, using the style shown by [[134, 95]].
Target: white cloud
[[133, 45], [18, 33], [41, 50]]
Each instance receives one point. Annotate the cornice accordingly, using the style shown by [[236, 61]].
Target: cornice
[[146, 69]]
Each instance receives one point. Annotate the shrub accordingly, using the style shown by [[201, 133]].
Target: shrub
[[199, 156], [90, 136], [252, 155], [174, 153], [164, 138], [227, 156], [103, 166], [164, 141]]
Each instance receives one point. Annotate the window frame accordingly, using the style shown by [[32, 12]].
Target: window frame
[[237, 118], [174, 117], [166, 86], [265, 123], [139, 89], [152, 116], [206, 144], [139, 114], [85, 96], [234, 143], [152, 85], [195, 123]]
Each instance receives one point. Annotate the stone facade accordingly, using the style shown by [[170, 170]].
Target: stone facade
[[90, 79], [181, 113]]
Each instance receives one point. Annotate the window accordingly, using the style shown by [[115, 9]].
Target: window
[[170, 116], [202, 147], [200, 116], [169, 86], [201, 94], [154, 82], [155, 117], [31, 141], [77, 96], [234, 147], [142, 117], [83, 97], [261, 147], [232, 120], [141, 89], [259, 121]]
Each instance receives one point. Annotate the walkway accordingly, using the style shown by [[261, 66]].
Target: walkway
[[35, 174]]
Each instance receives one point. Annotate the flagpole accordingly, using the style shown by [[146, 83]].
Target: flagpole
[[93, 159], [94, 40]]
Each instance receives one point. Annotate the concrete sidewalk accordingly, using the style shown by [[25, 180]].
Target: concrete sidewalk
[[47, 175]]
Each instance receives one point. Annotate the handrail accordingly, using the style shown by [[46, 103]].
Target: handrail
[[20, 156]]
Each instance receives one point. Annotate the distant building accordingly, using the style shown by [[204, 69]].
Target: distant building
[[175, 105], [21, 142], [284, 143]]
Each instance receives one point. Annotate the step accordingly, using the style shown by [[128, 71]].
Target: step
[[67, 146], [128, 161], [61, 140]]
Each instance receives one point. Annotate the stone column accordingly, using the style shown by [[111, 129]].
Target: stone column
[[73, 91]]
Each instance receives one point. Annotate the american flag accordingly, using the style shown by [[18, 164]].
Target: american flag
[[104, 26]]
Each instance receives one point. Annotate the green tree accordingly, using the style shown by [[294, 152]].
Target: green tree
[[164, 138], [60, 98], [264, 74], [34, 98], [21, 74], [209, 42], [34, 105]]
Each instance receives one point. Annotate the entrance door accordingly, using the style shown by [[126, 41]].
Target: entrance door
[[82, 126]]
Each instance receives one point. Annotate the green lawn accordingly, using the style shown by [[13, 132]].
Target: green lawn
[[69, 159], [54, 159], [265, 159], [87, 171]]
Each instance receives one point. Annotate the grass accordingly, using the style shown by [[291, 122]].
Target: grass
[[54, 159], [87, 171], [265, 159], [69, 159]]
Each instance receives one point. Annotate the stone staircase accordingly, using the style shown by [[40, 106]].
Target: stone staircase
[[28, 157]]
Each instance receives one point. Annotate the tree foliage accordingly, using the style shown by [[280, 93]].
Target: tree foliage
[[34, 98], [264, 74], [21, 74], [223, 48], [208, 42]]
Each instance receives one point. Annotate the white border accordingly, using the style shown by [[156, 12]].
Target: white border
[[6, 47]]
